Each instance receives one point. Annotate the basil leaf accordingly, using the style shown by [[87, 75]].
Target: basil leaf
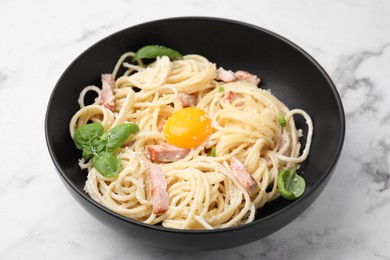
[[154, 51], [87, 152], [290, 184], [115, 137], [107, 164], [86, 134], [97, 147]]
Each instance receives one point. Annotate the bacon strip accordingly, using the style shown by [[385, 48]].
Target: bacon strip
[[243, 176], [248, 77], [230, 76], [225, 75], [107, 97], [231, 96], [187, 100], [160, 198], [166, 153]]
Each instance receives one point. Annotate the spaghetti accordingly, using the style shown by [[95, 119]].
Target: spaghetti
[[203, 191]]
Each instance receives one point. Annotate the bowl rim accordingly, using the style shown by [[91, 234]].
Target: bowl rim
[[306, 196]]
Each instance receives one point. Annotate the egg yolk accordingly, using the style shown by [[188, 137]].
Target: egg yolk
[[188, 128]]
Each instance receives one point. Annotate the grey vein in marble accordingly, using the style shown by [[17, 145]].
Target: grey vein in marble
[[378, 167], [366, 105], [347, 81]]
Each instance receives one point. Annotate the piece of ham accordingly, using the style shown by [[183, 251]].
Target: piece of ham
[[160, 198], [166, 153], [231, 96], [107, 98], [248, 77], [243, 176], [230, 76], [188, 100], [225, 75]]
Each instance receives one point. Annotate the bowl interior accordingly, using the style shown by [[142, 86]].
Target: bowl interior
[[291, 75]]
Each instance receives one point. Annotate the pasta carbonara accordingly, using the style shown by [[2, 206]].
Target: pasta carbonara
[[210, 145]]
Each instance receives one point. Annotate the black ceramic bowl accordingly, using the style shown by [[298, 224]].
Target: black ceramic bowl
[[291, 74]]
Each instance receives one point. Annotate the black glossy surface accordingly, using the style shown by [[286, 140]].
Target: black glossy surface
[[291, 74]]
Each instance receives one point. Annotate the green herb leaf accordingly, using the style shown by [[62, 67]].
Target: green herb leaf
[[213, 152], [290, 184], [282, 121], [115, 137], [87, 152], [86, 134], [154, 51], [221, 89], [107, 164], [99, 146]]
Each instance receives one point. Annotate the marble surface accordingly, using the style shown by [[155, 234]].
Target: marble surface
[[351, 39]]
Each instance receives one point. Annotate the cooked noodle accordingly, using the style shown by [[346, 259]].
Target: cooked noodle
[[203, 191]]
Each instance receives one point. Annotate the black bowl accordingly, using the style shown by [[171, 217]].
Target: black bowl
[[291, 74]]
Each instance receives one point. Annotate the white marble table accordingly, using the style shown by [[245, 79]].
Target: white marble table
[[351, 39]]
